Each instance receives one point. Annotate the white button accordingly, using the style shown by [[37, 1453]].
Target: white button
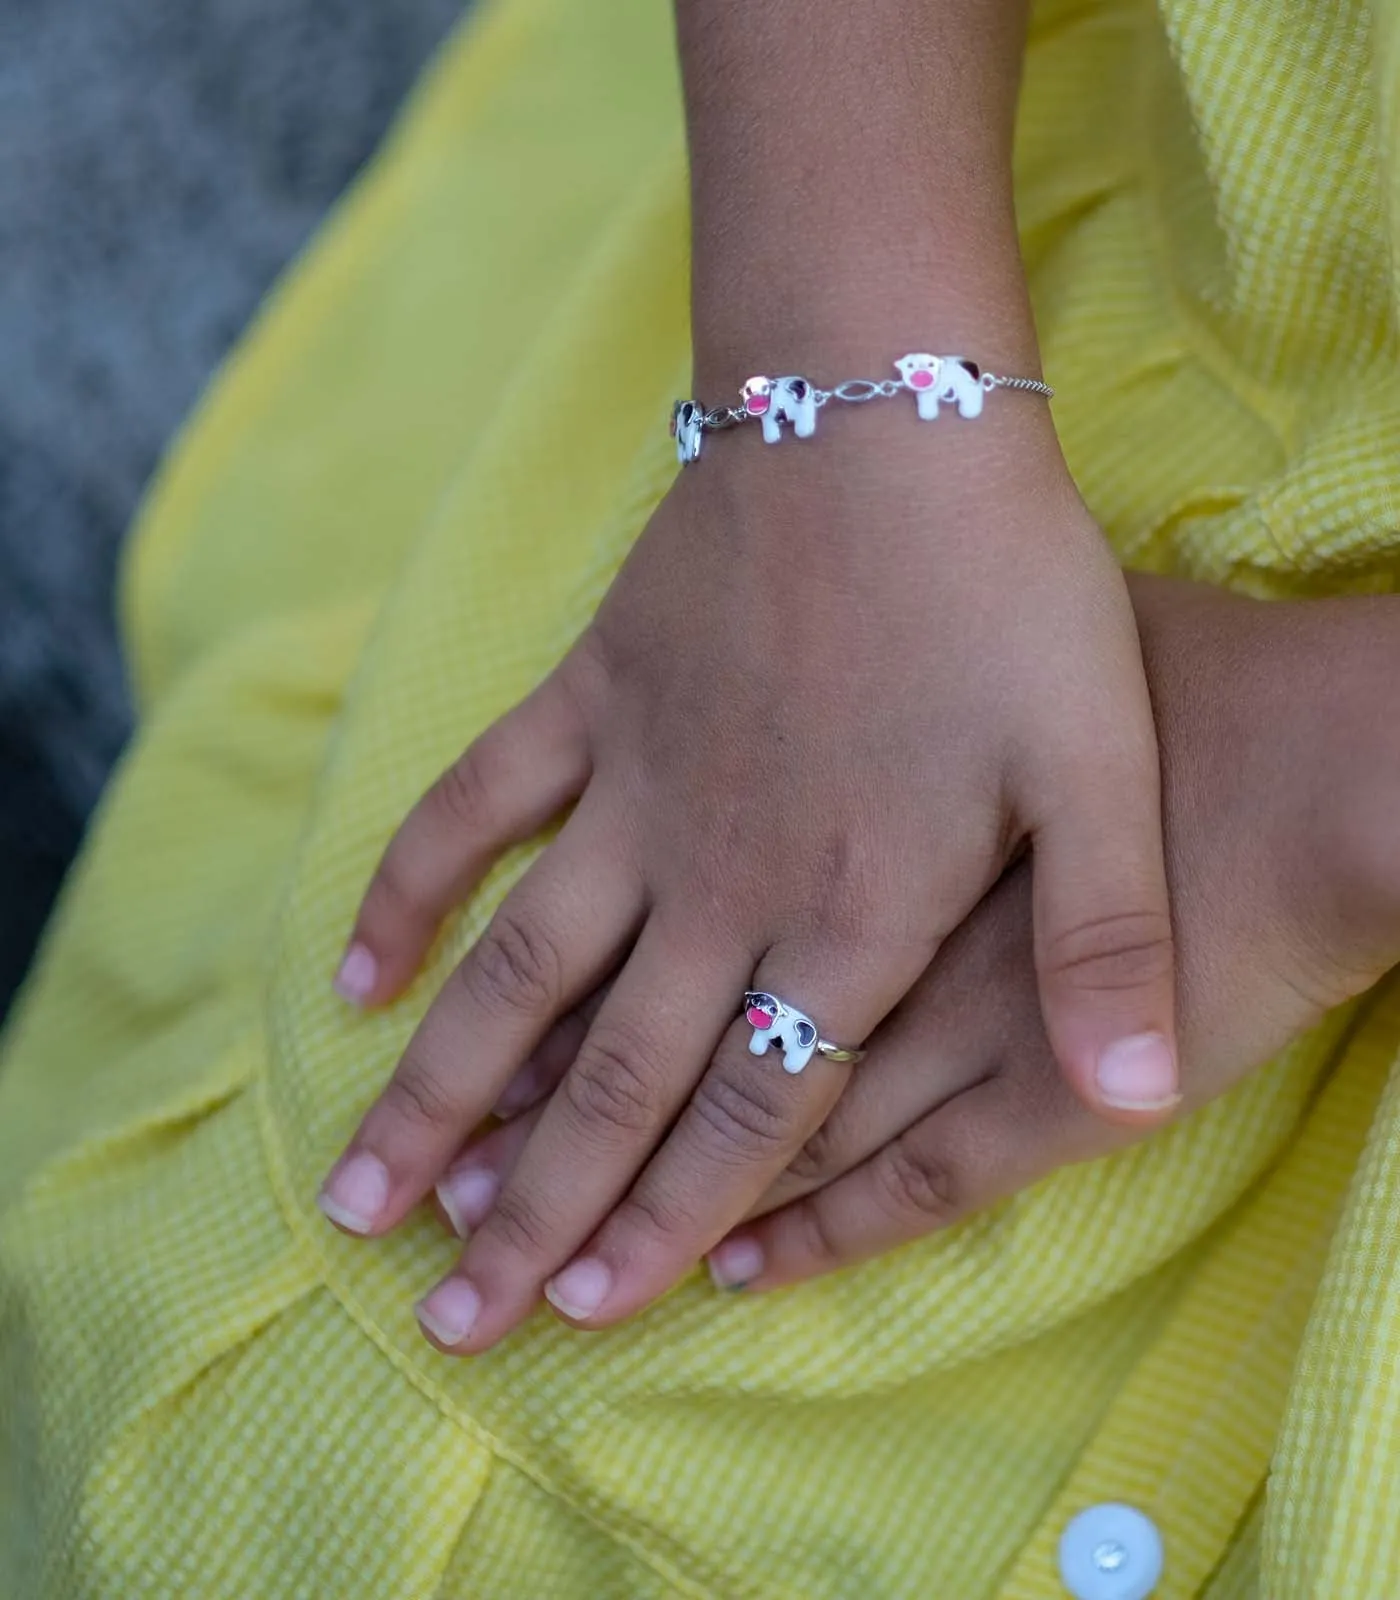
[[1111, 1552]]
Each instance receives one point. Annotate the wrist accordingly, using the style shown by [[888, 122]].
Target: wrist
[[951, 411], [830, 322], [1361, 760], [1268, 790], [1291, 700], [878, 482]]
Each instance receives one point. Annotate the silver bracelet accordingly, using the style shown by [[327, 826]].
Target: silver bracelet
[[933, 380]]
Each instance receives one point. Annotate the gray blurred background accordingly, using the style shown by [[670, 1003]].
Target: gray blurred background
[[160, 160]]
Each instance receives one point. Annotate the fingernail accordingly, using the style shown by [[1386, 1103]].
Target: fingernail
[[356, 1192], [450, 1311], [466, 1195], [522, 1090], [580, 1288], [735, 1262], [358, 971], [1139, 1074]]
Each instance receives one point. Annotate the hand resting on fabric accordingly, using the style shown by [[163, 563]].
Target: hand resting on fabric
[[1281, 767], [836, 684]]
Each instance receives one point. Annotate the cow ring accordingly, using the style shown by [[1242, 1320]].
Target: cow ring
[[774, 1022]]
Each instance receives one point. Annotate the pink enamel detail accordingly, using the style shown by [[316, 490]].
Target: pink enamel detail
[[757, 404], [921, 379], [759, 1018]]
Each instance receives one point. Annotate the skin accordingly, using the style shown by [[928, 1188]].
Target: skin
[[1281, 764], [814, 718]]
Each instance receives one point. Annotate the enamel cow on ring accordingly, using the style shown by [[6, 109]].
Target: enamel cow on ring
[[792, 403], [775, 1023]]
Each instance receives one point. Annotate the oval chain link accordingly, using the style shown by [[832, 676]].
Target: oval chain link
[[858, 392]]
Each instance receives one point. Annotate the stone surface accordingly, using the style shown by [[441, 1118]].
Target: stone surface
[[159, 163]]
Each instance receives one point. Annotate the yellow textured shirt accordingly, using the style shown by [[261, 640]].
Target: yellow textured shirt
[[395, 509]]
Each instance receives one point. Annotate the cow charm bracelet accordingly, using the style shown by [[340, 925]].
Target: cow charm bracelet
[[794, 402]]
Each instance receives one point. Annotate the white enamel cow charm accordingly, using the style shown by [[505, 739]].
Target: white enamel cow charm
[[774, 1023], [946, 379], [775, 401], [687, 429]]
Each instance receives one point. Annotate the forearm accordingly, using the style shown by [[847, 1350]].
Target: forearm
[[851, 182]]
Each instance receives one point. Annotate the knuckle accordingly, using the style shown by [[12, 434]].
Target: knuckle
[[917, 1185], [842, 908], [741, 1113], [818, 1159], [819, 1244], [1124, 950], [850, 919], [845, 904], [420, 1095], [466, 792], [588, 671], [514, 967], [648, 1209], [614, 1084], [516, 1223], [392, 899]]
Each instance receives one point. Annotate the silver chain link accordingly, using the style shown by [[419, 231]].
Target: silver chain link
[[990, 380], [858, 391], [719, 417]]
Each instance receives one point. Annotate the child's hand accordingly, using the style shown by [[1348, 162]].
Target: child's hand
[[1281, 767], [832, 690], [1281, 770]]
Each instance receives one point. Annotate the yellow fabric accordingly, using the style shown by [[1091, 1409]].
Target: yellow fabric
[[385, 522]]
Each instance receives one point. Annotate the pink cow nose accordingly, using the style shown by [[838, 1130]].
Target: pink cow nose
[[759, 1018], [921, 379], [757, 404]]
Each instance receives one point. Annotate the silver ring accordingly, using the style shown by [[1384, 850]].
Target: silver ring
[[774, 1022]]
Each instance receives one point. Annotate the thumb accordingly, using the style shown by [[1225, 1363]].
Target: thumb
[[1104, 956]]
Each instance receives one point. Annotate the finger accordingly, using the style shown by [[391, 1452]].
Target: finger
[[554, 937], [742, 1126], [508, 784], [648, 1045], [904, 1078], [988, 1142], [942, 1038], [925, 1052], [469, 1188], [1104, 954], [546, 1066]]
